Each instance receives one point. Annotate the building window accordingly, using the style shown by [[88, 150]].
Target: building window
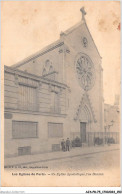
[[48, 71], [24, 129], [51, 69], [24, 150], [55, 130], [27, 98], [55, 103], [44, 72]]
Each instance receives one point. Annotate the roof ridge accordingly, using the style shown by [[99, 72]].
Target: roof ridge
[[38, 53], [46, 48], [53, 45]]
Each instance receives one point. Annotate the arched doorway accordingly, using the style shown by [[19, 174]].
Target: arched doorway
[[85, 116], [85, 122]]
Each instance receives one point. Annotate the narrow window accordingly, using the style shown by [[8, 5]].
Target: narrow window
[[27, 98]]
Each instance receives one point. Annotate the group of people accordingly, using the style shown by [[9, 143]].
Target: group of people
[[65, 145]]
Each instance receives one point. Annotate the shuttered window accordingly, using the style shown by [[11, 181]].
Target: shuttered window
[[27, 98], [55, 130], [24, 129]]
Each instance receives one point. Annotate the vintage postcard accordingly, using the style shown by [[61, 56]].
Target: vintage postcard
[[60, 93]]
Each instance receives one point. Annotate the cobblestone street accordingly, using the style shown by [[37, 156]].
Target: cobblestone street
[[94, 161]]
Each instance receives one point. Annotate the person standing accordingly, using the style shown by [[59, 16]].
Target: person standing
[[63, 145], [67, 144]]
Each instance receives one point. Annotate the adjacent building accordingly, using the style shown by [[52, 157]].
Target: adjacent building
[[112, 116]]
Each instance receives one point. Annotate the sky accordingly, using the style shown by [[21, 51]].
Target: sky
[[28, 26]]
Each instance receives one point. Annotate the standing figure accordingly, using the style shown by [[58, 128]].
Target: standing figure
[[63, 145], [67, 144]]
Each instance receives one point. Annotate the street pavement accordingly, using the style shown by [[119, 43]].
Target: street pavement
[[55, 158], [95, 161]]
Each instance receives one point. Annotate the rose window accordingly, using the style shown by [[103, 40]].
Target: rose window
[[85, 72]]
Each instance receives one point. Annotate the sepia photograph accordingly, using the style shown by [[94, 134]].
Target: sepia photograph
[[60, 93]]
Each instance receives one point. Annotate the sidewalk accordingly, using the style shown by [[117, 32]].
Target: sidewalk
[[74, 152]]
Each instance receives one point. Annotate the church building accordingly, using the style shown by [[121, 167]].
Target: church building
[[54, 94]]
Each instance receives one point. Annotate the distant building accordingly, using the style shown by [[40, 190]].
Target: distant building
[[112, 116], [54, 94]]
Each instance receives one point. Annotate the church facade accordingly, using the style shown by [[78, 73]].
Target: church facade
[[54, 94]]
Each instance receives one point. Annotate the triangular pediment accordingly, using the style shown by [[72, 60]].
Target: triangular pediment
[[74, 38]]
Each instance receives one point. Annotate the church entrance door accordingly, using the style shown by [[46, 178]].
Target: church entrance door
[[83, 131]]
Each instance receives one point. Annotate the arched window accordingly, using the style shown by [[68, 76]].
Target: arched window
[[44, 72], [51, 69], [48, 70]]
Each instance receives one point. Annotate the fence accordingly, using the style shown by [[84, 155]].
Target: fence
[[101, 138]]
